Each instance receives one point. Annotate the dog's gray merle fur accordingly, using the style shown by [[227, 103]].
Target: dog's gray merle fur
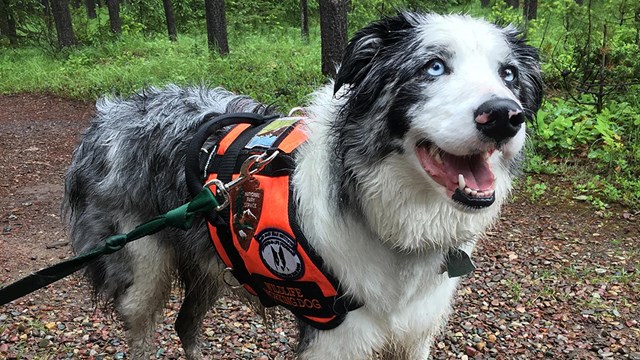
[[129, 168]]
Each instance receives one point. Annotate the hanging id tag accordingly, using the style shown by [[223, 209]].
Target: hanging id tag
[[458, 263], [246, 207]]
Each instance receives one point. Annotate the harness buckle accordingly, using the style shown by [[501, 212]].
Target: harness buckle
[[252, 165]]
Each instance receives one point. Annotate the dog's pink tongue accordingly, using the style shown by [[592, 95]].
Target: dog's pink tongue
[[475, 169]]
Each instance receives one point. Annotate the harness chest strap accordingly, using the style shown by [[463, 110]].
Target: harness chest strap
[[258, 236]]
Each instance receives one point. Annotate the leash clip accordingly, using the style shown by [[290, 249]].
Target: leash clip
[[252, 165]]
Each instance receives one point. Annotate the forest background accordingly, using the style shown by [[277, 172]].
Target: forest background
[[588, 128]]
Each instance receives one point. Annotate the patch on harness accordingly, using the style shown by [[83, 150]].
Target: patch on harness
[[246, 207], [279, 254], [268, 136]]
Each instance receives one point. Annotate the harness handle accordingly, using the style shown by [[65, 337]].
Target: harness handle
[[213, 122]]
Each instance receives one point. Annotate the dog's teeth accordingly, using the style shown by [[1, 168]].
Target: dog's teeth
[[474, 193], [467, 190], [438, 157], [461, 183]]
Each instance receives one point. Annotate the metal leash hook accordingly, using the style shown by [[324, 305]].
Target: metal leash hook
[[252, 165]]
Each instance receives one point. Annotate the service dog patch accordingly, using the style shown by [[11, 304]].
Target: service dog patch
[[278, 252], [246, 207]]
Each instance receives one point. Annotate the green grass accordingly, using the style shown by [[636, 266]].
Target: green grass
[[279, 69]]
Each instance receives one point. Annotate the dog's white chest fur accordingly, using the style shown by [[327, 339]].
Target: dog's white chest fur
[[399, 279]]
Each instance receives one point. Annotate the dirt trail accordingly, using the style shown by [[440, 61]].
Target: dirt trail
[[555, 278]]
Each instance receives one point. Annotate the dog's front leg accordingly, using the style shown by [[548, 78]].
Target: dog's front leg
[[414, 349], [355, 339]]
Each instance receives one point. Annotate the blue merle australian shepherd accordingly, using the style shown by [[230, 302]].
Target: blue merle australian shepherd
[[410, 155]]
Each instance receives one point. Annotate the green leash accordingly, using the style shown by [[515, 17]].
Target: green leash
[[181, 217]]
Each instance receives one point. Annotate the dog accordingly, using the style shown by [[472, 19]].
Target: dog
[[410, 154]]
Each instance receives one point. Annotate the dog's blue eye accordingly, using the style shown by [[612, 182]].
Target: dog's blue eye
[[508, 73], [436, 67]]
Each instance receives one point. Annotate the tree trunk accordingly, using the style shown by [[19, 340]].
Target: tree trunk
[[7, 23], [304, 17], [91, 8], [530, 9], [62, 18], [114, 16], [46, 7], [637, 20], [216, 26], [333, 33], [485, 3], [171, 20]]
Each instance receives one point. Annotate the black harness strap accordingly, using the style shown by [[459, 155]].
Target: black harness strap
[[213, 122]]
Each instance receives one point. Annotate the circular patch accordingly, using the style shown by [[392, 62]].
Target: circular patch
[[279, 254]]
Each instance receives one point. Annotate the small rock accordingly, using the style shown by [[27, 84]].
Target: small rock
[[43, 343], [470, 351], [481, 345]]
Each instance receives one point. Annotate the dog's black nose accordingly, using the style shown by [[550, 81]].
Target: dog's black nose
[[499, 119]]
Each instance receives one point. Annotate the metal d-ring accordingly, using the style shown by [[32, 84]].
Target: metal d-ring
[[295, 110], [228, 270]]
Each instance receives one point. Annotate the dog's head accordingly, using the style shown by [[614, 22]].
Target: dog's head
[[433, 110]]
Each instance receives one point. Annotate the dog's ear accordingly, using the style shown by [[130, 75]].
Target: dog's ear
[[530, 74], [367, 44]]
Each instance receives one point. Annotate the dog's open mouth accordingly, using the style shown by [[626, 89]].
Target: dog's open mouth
[[467, 179]]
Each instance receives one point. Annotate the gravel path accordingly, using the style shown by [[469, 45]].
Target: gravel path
[[555, 278]]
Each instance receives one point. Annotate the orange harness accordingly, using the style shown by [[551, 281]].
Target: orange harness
[[258, 237]]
